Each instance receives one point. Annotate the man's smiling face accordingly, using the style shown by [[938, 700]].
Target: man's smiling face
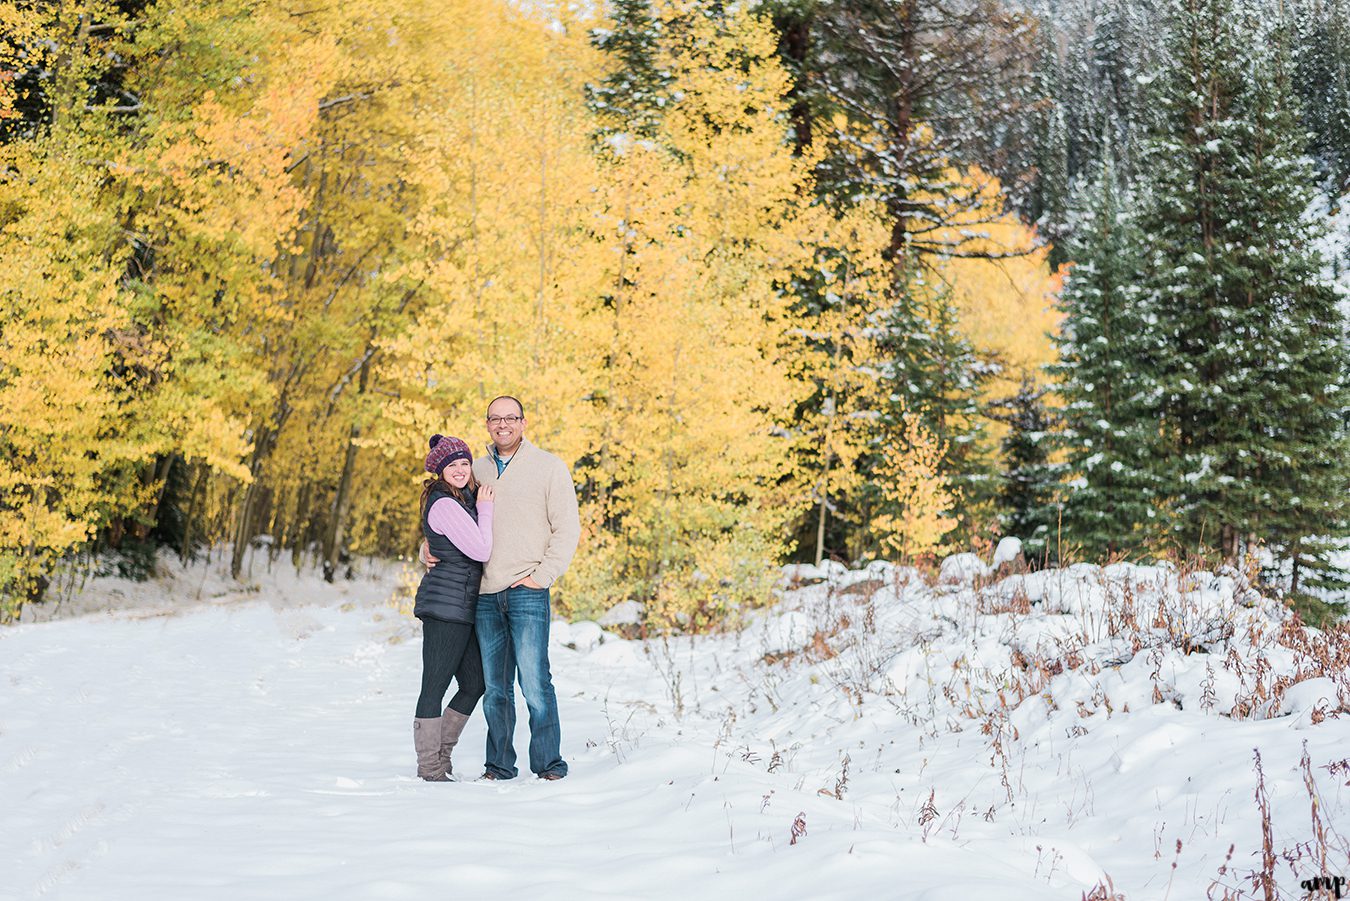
[[506, 424]]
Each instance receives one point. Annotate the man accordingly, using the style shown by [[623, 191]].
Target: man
[[534, 535]]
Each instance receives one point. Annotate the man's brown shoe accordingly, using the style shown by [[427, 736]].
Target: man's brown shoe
[[550, 777]]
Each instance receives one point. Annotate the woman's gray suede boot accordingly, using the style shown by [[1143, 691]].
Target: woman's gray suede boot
[[452, 725], [427, 743]]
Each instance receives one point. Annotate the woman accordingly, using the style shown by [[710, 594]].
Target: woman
[[457, 523]]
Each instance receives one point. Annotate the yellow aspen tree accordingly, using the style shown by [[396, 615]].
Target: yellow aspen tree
[[924, 501], [289, 234], [209, 196], [510, 269], [346, 277], [64, 338], [837, 359], [1006, 298], [702, 228], [60, 320], [210, 193], [180, 156]]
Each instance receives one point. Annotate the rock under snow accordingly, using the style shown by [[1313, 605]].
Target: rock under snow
[[1302, 698], [963, 569], [584, 635], [1008, 550], [624, 613], [789, 632], [808, 572], [624, 618]]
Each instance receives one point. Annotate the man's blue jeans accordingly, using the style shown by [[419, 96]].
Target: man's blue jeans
[[512, 630]]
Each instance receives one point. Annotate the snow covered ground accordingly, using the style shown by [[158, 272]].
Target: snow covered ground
[[1028, 737]]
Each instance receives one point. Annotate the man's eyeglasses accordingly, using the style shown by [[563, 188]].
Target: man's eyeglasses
[[509, 420]]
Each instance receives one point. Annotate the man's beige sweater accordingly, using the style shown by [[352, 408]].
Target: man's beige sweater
[[536, 526]]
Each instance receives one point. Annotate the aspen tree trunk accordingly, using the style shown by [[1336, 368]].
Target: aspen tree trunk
[[33, 583], [63, 92], [479, 315], [829, 433], [542, 288], [341, 504], [161, 475], [334, 544], [820, 521], [190, 514], [668, 462], [825, 475], [243, 530], [606, 480], [296, 539]]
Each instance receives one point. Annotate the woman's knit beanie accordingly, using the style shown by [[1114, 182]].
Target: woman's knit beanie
[[445, 449]]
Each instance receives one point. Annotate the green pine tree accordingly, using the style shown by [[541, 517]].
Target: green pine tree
[[1251, 440], [1321, 78], [1053, 186], [1103, 378], [1028, 482], [631, 97]]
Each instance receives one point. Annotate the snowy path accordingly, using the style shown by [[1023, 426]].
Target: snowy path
[[249, 753], [262, 750]]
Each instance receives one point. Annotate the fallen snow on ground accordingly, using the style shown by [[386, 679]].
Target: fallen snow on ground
[[1028, 737]]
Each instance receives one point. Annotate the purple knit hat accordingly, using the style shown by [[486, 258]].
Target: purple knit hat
[[446, 449]]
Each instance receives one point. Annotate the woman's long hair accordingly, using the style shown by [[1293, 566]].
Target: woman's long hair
[[467, 496]]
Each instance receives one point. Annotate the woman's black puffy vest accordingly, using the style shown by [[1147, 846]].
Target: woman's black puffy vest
[[449, 590]]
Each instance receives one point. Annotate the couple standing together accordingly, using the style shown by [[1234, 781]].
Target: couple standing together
[[499, 532]]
